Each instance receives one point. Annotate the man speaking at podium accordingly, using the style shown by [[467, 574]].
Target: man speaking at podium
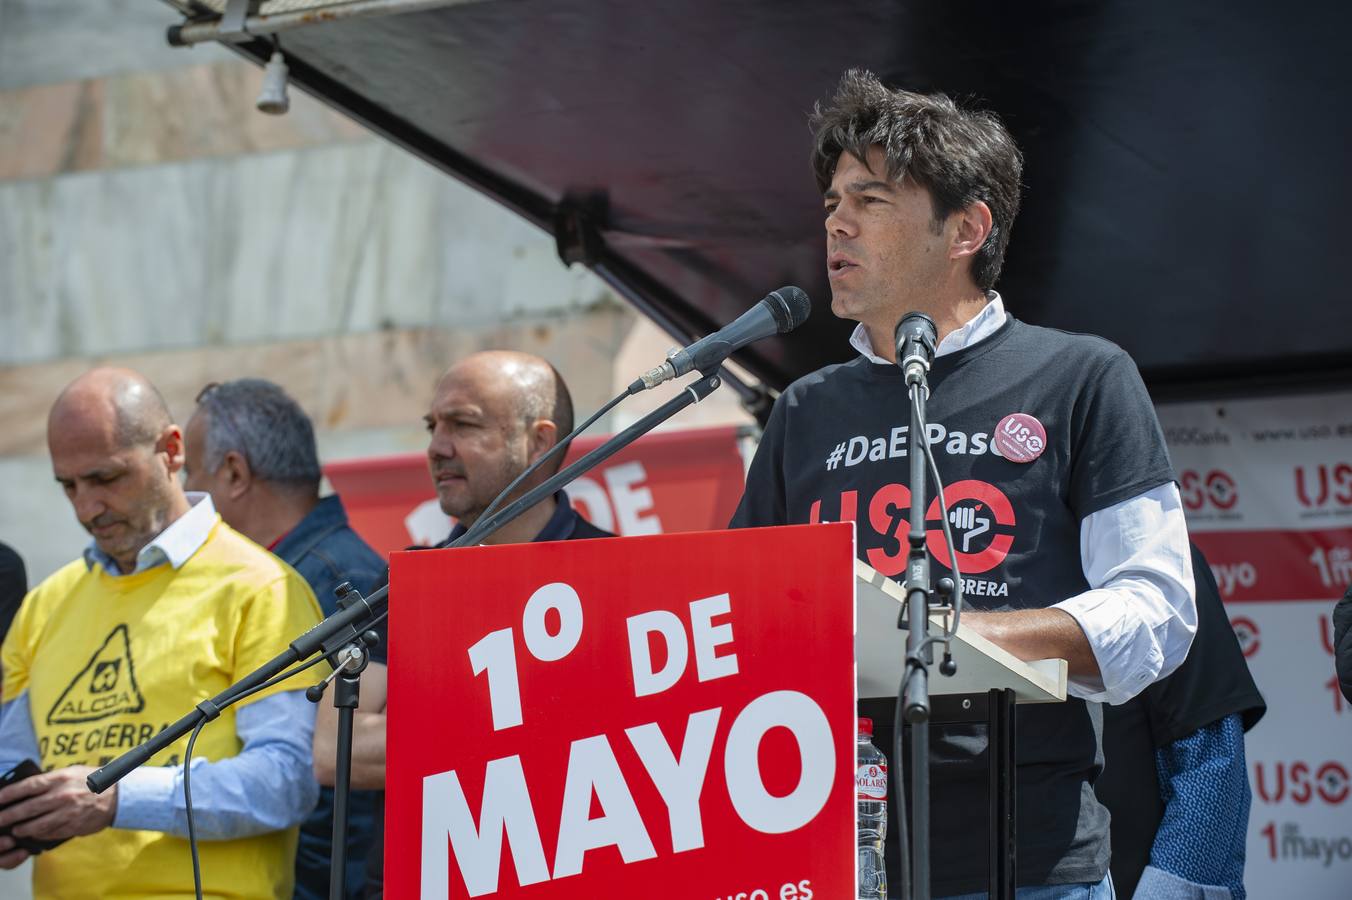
[[1073, 545]]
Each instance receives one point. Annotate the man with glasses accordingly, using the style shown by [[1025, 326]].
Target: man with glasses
[[252, 447], [167, 606]]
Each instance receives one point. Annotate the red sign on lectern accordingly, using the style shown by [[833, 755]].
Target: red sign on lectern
[[668, 716]]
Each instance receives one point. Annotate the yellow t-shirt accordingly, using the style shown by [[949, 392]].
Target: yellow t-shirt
[[108, 662]]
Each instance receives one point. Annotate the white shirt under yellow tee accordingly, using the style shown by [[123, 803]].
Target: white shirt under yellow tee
[[109, 661]]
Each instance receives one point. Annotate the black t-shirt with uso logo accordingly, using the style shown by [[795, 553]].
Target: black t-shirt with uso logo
[[1033, 430]]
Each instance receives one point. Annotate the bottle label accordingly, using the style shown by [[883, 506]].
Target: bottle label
[[871, 782]]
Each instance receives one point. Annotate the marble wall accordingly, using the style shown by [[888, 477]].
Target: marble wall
[[146, 118], [53, 41], [326, 240]]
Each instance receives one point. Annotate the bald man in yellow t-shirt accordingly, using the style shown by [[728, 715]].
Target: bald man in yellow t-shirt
[[167, 607]]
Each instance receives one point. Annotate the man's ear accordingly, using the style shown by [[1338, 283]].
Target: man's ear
[[170, 443], [543, 435], [235, 474], [974, 226]]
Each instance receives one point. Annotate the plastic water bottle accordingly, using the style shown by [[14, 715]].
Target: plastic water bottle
[[871, 791]]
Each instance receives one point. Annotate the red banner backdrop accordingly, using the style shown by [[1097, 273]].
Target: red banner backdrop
[[646, 717], [670, 481]]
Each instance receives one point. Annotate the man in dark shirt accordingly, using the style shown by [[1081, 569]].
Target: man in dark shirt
[[252, 447], [13, 585], [1069, 529], [492, 415], [1175, 778]]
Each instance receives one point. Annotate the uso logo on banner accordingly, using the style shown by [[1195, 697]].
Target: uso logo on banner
[[610, 718], [1215, 488], [1323, 485]]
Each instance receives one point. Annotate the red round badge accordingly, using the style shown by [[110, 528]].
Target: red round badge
[[1020, 438]]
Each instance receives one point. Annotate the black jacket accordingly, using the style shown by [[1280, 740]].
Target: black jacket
[[13, 586], [1342, 643]]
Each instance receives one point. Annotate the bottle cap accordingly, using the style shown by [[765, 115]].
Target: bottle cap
[[865, 726]]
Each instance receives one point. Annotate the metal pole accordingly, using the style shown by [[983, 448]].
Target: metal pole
[[191, 33], [1003, 787], [917, 705], [346, 698]]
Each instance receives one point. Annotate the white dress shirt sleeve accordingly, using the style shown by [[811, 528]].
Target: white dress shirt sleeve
[[1140, 613], [17, 738]]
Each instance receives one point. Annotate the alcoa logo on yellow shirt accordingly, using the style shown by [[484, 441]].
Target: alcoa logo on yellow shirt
[[106, 686]]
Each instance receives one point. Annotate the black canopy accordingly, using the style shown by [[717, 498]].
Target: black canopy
[[1185, 185]]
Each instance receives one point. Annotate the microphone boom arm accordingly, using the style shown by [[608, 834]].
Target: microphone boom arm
[[327, 636]]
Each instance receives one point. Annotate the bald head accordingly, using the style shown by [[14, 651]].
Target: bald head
[[492, 415], [121, 403], [519, 382], [116, 454]]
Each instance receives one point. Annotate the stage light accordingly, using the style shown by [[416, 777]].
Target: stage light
[[272, 98]]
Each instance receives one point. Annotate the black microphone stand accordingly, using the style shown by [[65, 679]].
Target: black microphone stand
[[918, 653], [339, 633], [350, 663], [915, 347]]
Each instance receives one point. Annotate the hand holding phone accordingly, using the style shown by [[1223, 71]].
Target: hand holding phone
[[25, 769]]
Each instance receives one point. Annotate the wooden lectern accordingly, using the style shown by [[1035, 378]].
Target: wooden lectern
[[988, 683]]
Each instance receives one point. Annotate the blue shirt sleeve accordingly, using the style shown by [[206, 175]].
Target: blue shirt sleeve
[[18, 740], [269, 785], [1205, 788]]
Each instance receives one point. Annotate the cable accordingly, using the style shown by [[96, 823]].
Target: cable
[[187, 801], [187, 760], [553, 451], [952, 548], [899, 783]]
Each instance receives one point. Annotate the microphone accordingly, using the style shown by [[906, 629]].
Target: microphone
[[916, 337], [780, 312]]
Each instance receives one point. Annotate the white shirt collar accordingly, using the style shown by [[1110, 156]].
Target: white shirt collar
[[980, 326], [174, 545]]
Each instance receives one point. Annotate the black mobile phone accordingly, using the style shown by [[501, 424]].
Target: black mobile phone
[[25, 769]]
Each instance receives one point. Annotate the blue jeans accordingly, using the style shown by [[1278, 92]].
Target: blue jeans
[[1101, 891]]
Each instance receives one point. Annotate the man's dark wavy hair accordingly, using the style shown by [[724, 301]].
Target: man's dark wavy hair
[[958, 155]]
